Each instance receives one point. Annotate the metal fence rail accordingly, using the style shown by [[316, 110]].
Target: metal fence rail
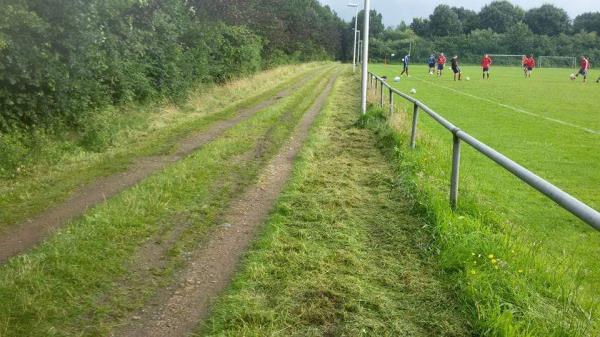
[[562, 198]]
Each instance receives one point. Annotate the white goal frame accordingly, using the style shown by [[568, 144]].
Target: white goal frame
[[517, 56], [573, 60]]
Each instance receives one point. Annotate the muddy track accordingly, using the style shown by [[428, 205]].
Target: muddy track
[[21, 237], [179, 309]]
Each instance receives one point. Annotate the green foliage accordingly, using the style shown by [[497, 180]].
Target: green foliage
[[469, 19], [60, 59], [548, 20], [588, 22], [234, 51], [500, 16], [63, 63], [19, 149], [376, 26], [301, 29], [97, 131], [444, 21]]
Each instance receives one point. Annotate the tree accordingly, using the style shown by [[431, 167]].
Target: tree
[[421, 27], [444, 21], [500, 16], [547, 20], [376, 26], [587, 22], [519, 39], [468, 18]]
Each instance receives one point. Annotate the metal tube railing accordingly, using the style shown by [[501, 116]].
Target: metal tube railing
[[562, 198]]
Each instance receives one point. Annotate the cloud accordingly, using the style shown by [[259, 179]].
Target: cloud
[[395, 11]]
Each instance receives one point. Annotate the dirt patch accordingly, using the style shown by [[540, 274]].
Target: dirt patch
[[18, 238], [177, 310]]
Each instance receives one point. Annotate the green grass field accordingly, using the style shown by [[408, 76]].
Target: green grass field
[[547, 123]]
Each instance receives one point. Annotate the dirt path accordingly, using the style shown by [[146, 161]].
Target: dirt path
[[18, 238], [177, 310]]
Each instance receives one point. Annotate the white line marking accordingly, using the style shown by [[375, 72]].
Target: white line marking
[[510, 107]]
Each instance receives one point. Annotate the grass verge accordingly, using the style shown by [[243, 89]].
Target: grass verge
[[503, 280], [141, 131], [341, 255], [81, 281]]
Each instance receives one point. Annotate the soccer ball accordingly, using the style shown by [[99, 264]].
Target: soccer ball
[[431, 73], [468, 78], [413, 91], [573, 77], [397, 79]]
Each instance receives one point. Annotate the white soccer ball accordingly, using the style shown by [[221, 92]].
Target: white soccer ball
[[468, 78], [573, 77], [397, 79], [413, 91], [431, 73]]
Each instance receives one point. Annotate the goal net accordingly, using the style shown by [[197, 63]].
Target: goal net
[[507, 60], [557, 62]]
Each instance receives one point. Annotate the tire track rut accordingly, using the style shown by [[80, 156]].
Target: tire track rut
[[21, 237], [177, 310]]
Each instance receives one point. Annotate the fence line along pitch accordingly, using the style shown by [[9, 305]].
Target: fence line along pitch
[[584, 212]]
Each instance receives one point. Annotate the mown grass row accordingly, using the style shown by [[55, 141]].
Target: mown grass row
[[86, 278], [60, 167], [504, 280], [341, 255]]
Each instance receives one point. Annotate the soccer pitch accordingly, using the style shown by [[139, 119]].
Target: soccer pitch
[[549, 124]]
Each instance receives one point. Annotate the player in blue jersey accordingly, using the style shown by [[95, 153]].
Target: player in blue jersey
[[405, 63], [431, 63]]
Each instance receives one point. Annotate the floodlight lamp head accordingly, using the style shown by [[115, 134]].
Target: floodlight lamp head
[[352, 5]]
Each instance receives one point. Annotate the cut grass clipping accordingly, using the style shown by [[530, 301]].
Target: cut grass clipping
[[86, 277], [341, 255], [527, 267]]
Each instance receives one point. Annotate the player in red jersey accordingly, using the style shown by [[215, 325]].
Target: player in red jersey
[[441, 62], [529, 65], [584, 68], [486, 63]]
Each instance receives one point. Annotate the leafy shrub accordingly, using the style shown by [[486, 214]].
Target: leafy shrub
[[97, 130]]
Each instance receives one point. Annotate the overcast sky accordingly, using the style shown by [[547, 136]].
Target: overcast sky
[[394, 11]]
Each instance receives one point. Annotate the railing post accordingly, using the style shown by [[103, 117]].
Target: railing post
[[376, 83], [391, 101], [382, 94], [413, 135], [455, 172]]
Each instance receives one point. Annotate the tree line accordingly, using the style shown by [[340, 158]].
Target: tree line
[[499, 27], [63, 60]]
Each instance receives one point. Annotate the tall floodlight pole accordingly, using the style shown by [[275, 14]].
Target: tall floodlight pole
[[365, 63], [355, 32], [359, 51]]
